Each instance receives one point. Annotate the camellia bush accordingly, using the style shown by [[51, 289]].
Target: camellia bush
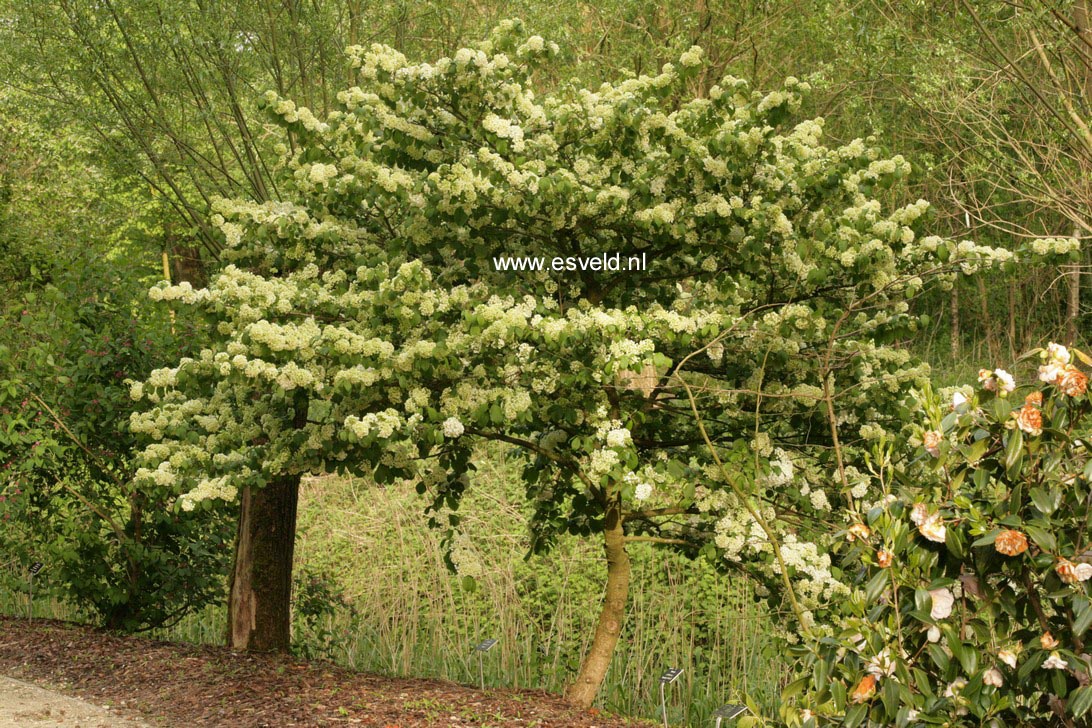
[[715, 401], [969, 599], [116, 552]]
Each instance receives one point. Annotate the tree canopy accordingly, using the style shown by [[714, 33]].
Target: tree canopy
[[365, 324]]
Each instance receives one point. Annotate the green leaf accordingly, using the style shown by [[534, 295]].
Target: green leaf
[[876, 586], [1042, 538], [954, 540], [1032, 664], [940, 657], [922, 600], [968, 658], [890, 696], [1058, 681], [838, 693], [1082, 615], [1079, 701], [975, 452], [1044, 501], [1014, 451], [988, 539], [795, 688], [820, 674], [855, 716]]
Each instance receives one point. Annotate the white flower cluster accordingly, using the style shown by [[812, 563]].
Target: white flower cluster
[[453, 428], [208, 489], [738, 533], [382, 424], [601, 462], [618, 437], [781, 469], [1055, 246], [465, 557], [692, 57]]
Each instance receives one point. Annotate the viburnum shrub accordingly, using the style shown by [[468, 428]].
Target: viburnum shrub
[[969, 581], [362, 326]]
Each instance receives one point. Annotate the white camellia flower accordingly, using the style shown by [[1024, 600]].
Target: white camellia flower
[[993, 677], [1054, 662], [933, 528], [942, 603], [1057, 353], [1008, 657], [933, 634], [882, 665], [955, 687]]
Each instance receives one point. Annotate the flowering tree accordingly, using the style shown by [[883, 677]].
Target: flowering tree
[[363, 325], [971, 604]]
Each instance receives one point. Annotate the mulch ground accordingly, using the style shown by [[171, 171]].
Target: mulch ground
[[173, 684]]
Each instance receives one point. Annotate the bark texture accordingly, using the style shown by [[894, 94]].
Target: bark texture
[[259, 606], [582, 692]]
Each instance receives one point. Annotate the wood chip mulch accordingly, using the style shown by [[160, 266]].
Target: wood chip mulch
[[182, 685]]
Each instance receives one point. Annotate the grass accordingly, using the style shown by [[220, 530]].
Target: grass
[[405, 614]]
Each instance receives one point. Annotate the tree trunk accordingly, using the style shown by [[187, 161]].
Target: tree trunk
[[260, 594], [186, 264], [259, 605], [992, 344], [583, 690]]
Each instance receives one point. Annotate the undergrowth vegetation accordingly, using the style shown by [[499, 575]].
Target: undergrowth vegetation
[[373, 593]]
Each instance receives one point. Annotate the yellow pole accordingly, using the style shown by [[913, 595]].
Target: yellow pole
[[167, 277]]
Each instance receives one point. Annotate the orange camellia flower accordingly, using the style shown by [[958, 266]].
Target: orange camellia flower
[[1072, 573], [931, 440], [1034, 399], [884, 558], [1073, 382], [1067, 570], [1029, 419], [865, 689], [1011, 543], [1048, 642], [858, 531]]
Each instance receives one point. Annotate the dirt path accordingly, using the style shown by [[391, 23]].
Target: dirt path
[[171, 684], [23, 705]]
